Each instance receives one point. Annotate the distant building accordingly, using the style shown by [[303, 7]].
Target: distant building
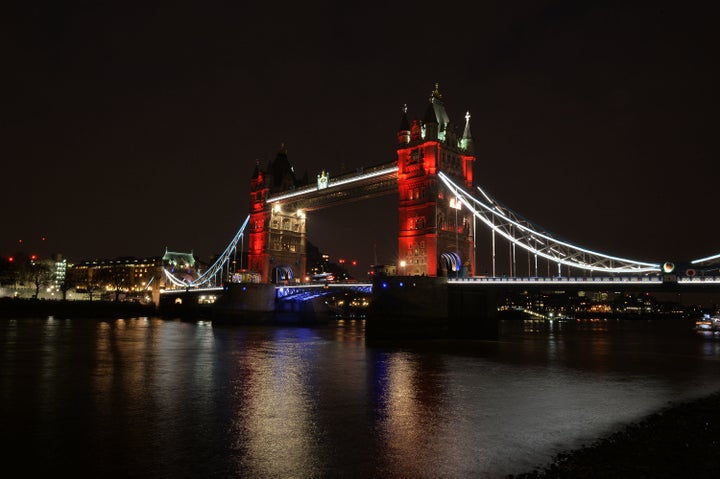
[[383, 270], [126, 276], [60, 267], [183, 266]]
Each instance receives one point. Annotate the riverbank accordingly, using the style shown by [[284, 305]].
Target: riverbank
[[22, 307], [680, 441]]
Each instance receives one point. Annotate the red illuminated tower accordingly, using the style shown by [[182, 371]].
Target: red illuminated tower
[[435, 232], [276, 246], [258, 224]]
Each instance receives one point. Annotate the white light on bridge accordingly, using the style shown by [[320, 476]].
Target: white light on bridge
[[335, 183], [708, 258], [625, 266]]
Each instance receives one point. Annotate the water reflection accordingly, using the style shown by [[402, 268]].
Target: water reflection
[[146, 397], [274, 427], [410, 416]]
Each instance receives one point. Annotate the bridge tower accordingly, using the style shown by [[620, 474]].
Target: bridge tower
[[435, 235], [276, 247]]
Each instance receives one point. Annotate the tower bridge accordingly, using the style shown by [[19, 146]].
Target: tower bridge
[[446, 221], [361, 184]]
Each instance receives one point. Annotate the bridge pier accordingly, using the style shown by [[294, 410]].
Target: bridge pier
[[429, 307], [245, 301], [182, 304], [301, 312], [472, 313], [259, 303]]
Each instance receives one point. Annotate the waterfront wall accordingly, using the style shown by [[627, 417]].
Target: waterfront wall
[[245, 298], [472, 313], [428, 307], [21, 307]]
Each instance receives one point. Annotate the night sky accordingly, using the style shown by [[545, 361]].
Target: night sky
[[128, 129]]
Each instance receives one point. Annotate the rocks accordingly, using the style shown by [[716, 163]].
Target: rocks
[[680, 441]]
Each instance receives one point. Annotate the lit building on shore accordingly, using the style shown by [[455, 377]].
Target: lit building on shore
[[128, 277]]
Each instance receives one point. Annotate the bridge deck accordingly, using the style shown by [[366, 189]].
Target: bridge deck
[[364, 183]]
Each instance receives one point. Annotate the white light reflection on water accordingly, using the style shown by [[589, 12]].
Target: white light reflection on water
[[150, 398], [274, 427], [467, 415], [412, 419]]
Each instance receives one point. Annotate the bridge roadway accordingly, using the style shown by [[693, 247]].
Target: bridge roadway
[[650, 283], [630, 283]]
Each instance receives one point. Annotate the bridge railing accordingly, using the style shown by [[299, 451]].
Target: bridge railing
[[700, 279], [651, 279]]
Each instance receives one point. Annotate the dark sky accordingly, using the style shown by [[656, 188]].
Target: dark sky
[[126, 129]]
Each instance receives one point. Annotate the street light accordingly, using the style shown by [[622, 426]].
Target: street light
[[456, 204]]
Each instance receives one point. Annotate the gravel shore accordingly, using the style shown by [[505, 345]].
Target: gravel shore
[[681, 441]]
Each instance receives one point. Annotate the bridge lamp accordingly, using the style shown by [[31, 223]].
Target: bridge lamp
[[300, 214], [402, 266], [276, 208]]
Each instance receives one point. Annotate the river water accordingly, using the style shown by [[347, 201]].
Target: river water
[[145, 397]]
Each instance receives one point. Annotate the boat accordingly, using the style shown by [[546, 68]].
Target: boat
[[709, 322]]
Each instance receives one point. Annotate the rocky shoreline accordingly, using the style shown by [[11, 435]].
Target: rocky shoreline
[[680, 441]]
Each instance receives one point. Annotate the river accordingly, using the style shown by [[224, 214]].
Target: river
[[146, 397]]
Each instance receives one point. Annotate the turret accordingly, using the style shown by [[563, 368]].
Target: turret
[[404, 131], [466, 143], [281, 172], [430, 123], [436, 119]]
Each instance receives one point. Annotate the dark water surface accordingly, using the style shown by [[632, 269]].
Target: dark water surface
[[147, 397]]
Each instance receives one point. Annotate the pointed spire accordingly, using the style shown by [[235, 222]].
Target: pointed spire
[[256, 171], [403, 135], [467, 134], [435, 94], [404, 123], [467, 141], [430, 116], [281, 172]]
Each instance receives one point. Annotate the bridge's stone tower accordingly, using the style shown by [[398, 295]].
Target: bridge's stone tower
[[435, 236], [276, 248]]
